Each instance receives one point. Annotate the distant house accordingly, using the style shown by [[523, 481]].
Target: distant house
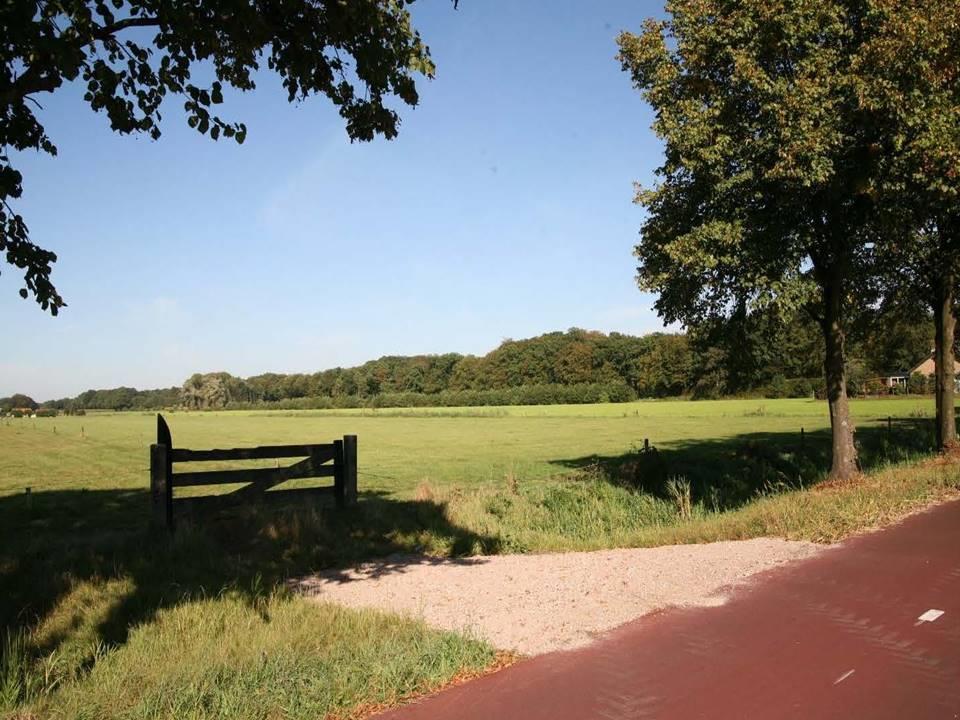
[[896, 379], [926, 368]]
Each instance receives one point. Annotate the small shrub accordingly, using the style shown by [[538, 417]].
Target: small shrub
[[917, 384], [424, 491], [679, 490], [513, 481], [802, 388], [777, 387]]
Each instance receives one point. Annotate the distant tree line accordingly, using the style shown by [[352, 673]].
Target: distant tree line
[[17, 401], [120, 398], [751, 354], [573, 367]]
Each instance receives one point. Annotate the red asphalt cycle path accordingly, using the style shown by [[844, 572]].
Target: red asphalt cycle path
[[835, 636]]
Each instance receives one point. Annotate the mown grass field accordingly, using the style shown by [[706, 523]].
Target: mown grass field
[[105, 620], [462, 447]]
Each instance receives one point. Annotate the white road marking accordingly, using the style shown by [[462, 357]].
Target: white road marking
[[843, 677], [929, 616]]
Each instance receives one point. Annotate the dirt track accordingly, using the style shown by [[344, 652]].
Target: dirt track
[[539, 603]]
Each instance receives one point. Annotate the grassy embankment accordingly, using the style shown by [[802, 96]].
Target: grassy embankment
[[107, 621]]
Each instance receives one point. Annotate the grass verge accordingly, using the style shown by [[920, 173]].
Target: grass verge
[[593, 514], [225, 657], [133, 632]]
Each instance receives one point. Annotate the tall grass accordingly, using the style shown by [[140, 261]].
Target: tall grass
[[590, 513], [678, 488], [281, 657], [17, 681]]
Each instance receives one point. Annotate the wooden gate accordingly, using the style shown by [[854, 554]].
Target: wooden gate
[[337, 460]]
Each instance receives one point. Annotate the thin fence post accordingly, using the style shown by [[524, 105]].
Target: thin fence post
[[161, 487], [349, 469], [339, 494], [889, 427], [803, 439], [646, 444]]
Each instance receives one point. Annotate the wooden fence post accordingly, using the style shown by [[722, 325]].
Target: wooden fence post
[[161, 487], [161, 469], [349, 469], [338, 474]]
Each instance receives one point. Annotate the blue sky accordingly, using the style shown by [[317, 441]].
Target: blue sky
[[503, 210]]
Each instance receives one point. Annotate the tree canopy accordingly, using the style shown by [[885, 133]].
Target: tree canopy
[[131, 55], [907, 77], [18, 400], [775, 152]]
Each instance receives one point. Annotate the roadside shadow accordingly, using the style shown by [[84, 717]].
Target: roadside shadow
[[378, 568], [52, 543], [725, 473]]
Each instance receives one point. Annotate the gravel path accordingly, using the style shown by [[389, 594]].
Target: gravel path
[[535, 604]]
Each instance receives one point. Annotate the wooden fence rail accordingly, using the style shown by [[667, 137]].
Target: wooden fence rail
[[337, 460]]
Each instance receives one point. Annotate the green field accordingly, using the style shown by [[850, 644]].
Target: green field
[[105, 619], [462, 447]]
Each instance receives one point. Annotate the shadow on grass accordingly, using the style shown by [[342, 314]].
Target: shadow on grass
[[725, 473], [54, 542]]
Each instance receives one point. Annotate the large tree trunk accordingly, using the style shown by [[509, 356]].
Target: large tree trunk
[[844, 464], [943, 358]]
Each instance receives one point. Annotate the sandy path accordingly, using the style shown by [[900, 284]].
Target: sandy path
[[539, 603]]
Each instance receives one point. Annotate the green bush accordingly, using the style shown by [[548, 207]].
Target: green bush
[[801, 388], [917, 384], [777, 387]]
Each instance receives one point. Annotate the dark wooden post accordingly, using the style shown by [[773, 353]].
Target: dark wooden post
[[338, 475], [889, 427], [802, 439], [349, 469], [163, 432], [345, 470], [161, 488], [161, 470]]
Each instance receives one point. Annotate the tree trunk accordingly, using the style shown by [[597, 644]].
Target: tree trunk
[[844, 463], [943, 358]]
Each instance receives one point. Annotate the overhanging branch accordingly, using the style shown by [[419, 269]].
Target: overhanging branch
[[107, 31]]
